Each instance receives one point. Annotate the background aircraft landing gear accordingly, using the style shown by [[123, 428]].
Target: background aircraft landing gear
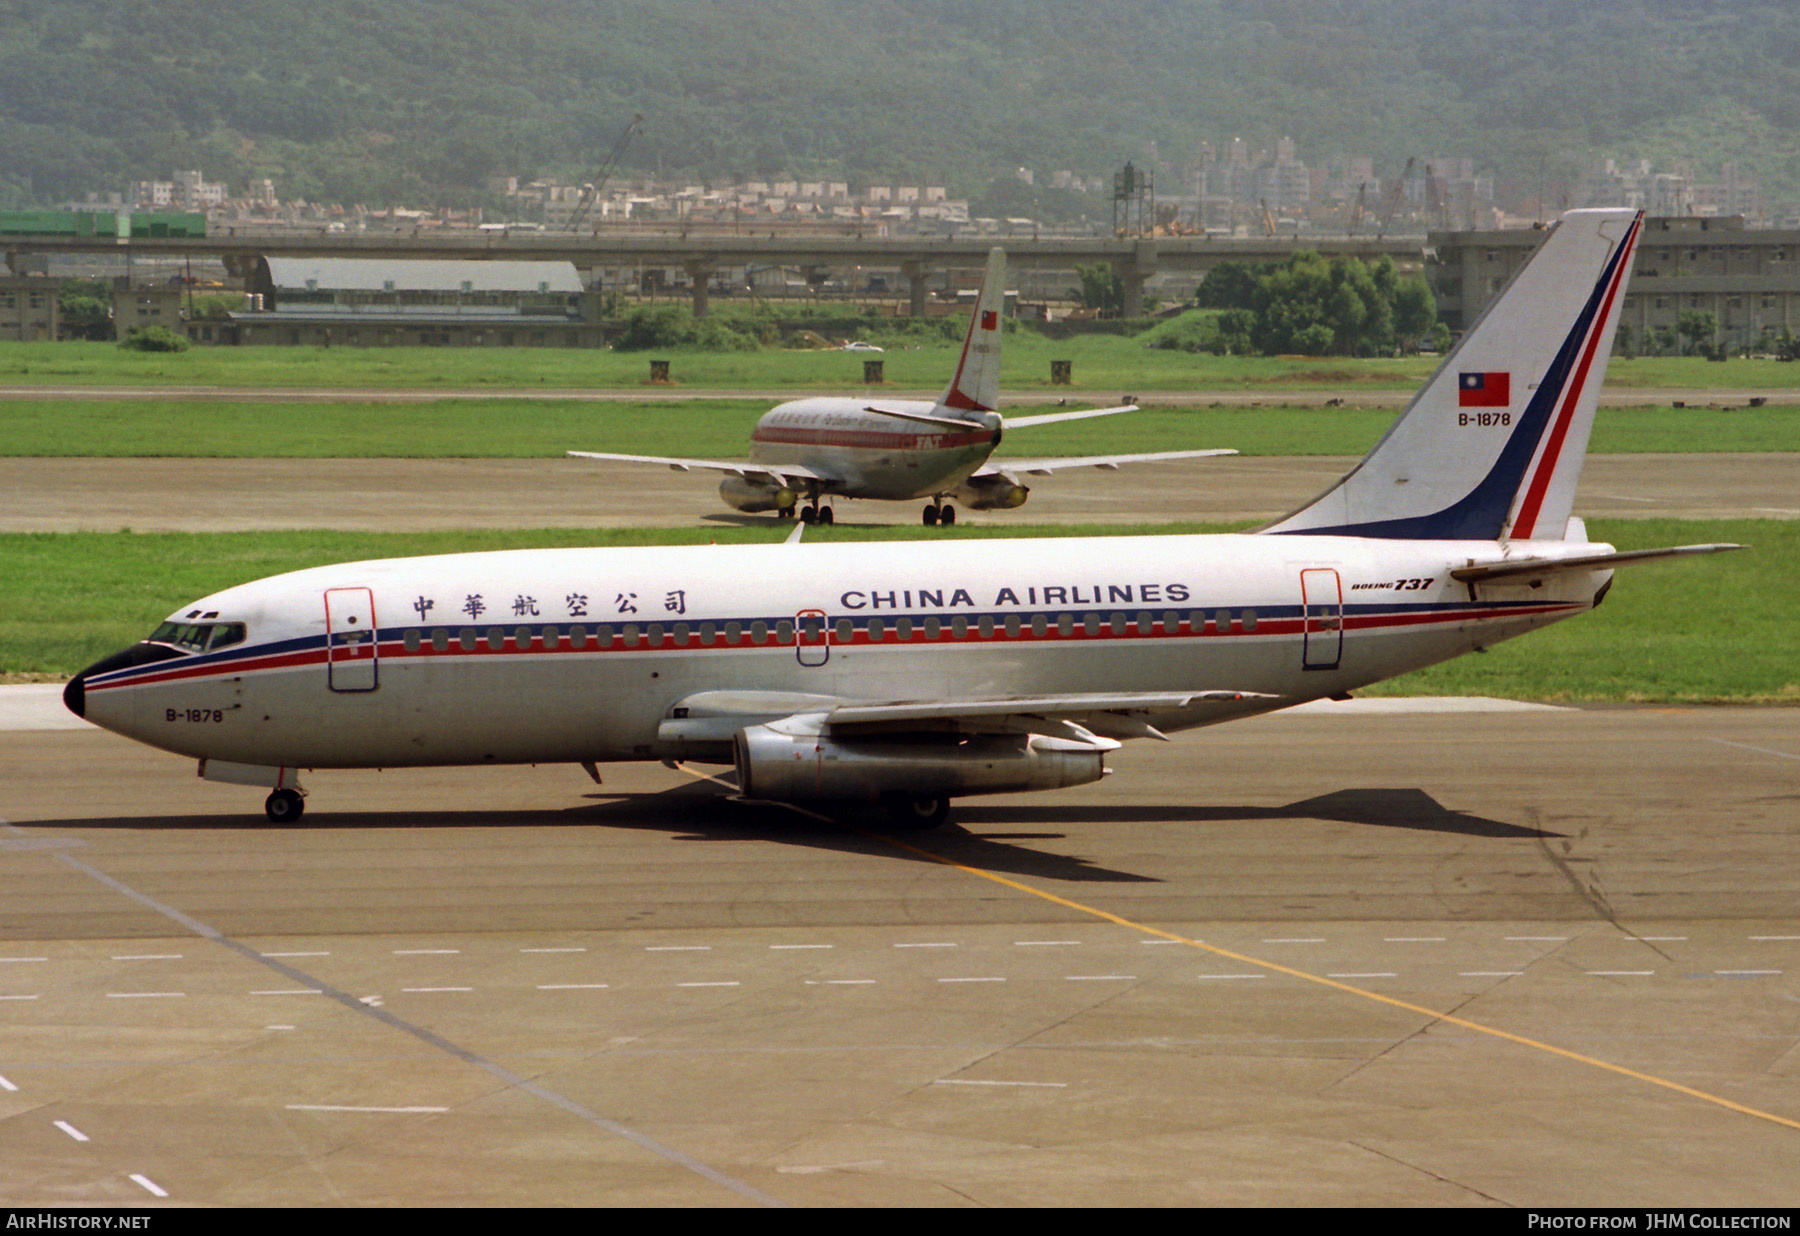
[[285, 806], [786, 512]]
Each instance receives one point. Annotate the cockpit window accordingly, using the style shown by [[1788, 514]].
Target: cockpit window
[[198, 636]]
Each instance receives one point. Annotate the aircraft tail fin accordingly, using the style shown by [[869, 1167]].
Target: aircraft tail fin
[[1492, 446], [975, 387]]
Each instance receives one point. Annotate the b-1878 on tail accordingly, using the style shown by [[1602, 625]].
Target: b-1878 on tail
[[808, 450], [906, 674]]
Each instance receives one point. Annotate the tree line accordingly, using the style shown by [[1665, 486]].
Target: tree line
[[1311, 305]]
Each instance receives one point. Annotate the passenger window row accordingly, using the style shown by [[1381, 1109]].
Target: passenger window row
[[932, 627]]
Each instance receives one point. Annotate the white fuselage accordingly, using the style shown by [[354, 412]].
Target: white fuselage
[[874, 456], [579, 654]]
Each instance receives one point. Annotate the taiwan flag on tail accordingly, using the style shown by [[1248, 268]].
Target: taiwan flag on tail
[[1483, 390], [990, 320]]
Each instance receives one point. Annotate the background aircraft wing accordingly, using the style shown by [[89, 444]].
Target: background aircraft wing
[[739, 467], [1025, 422], [1043, 467]]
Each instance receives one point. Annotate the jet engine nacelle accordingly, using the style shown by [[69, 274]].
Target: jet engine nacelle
[[753, 496], [775, 762], [991, 493]]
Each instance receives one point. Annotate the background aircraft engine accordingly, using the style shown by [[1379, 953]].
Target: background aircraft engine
[[754, 496], [791, 767], [991, 493]]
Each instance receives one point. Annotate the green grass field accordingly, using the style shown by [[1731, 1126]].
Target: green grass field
[[1104, 367], [1715, 629], [720, 428]]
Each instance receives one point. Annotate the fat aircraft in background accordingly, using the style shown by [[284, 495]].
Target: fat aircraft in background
[[902, 675], [806, 450]]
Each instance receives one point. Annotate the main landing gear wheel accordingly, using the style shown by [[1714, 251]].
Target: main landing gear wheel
[[946, 515], [825, 515], [931, 515], [808, 514], [915, 812], [285, 806]]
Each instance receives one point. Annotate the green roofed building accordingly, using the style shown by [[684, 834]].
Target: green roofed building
[[378, 302]]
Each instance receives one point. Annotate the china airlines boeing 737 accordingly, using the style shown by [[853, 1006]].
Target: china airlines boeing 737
[[903, 675], [900, 449]]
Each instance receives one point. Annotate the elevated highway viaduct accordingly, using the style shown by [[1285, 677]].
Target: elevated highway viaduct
[[703, 255]]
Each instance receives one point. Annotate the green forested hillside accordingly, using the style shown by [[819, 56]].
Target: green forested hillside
[[418, 100]]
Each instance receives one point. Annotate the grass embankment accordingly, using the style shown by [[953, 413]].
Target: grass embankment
[[1105, 366], [1716, 629], [720, 428]]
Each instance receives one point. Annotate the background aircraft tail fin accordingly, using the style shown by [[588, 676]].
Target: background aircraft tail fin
[[1492, 446], [975, 387]]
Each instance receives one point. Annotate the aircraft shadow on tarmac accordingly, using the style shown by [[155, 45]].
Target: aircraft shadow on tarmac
[[702, 812], [1386, 808]]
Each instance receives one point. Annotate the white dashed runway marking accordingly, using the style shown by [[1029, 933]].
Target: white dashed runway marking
[[383, 1111]]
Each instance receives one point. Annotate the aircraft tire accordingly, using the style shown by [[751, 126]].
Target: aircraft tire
[[946, 515], [931, 516], [285, 806], [825, 515], [808, 515], [786, 512], [915, 812]]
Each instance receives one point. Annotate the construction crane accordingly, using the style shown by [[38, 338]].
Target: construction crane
[[1394, 198], [590, 193], [1356, 211]]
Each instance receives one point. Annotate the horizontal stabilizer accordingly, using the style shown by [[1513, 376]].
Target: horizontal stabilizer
[[1046, 418], [1581, 562], [925, 418], [1043, 467]]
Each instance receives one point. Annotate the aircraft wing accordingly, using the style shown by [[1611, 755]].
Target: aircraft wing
[[1097, 718], [1024, 422], [1043, 467], [1509, 568], [739, 467], [1083, 716]]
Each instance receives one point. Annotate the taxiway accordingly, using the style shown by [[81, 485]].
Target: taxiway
[[1479, 954]]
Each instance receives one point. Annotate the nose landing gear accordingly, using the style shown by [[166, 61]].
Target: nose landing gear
[[944, 515]]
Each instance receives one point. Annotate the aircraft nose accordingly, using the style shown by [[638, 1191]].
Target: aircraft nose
[[145, 653]]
